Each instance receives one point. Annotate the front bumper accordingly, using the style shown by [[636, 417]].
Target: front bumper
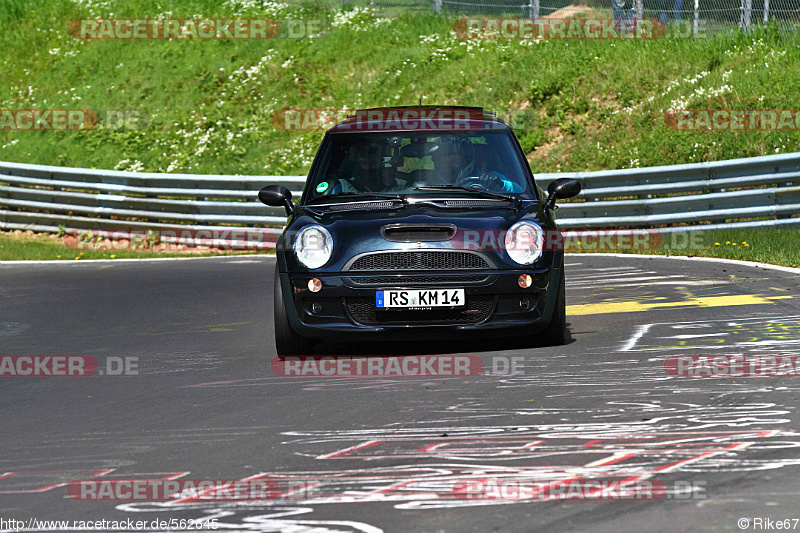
[[495, 303]]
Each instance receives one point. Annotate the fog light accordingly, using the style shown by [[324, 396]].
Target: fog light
[[316, 308], [314, 285], [525, 281], [524, 304]]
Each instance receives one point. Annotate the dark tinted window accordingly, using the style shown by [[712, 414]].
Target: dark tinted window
[[397, 163]]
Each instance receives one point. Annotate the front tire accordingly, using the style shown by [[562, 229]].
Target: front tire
[[287, 341], [556, 332]]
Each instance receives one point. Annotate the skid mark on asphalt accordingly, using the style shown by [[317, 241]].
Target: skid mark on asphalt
[[635, 290], [631, 289], [8, 329], [753, 336], [672, 438], [316, 384], [425, 465]]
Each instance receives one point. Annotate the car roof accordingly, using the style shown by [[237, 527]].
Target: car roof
[[420, 118]]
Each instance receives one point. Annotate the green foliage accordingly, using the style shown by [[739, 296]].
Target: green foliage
[[531, 138], [776, 246], [207, 107]]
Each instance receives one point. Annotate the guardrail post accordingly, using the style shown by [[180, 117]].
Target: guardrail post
[[696, 24], [766, 11], [437, 6]]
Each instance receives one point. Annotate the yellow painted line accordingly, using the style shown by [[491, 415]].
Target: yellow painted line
[[634, 306], [213, 328]]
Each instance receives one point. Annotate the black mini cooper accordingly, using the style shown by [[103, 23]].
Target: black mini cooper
[[419, 223]]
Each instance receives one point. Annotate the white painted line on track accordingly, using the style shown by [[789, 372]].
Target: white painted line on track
[[640, 331], [754, 264], [585, 280]]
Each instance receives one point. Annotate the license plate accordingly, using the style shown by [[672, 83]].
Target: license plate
[[419, 298]]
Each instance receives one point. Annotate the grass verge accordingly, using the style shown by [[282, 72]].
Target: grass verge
[[40, 247], [774, 246]]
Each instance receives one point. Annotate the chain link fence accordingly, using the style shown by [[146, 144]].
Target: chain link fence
[[681, 17]]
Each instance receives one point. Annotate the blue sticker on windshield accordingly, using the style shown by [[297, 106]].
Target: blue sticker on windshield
[[322, 187]]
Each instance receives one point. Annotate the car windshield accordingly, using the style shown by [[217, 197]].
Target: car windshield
[[356, 165]]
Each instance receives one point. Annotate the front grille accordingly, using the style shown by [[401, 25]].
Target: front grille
[[478, 309], [405, 280], [422, 260]]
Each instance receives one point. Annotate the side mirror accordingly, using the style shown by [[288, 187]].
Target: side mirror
[[560, 189], [277, 196]]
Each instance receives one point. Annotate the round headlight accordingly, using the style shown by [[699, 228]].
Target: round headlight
[[313, 246], [525, 242]]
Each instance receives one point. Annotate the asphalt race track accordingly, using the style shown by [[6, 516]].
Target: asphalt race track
[[201, 401]]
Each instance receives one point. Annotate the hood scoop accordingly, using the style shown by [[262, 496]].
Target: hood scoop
[[418, 232]]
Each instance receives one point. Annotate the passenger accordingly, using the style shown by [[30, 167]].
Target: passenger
[[370, 173]]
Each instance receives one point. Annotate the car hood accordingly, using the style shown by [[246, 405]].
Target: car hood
[[359, 231]]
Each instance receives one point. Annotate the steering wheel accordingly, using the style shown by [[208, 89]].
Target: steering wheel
[[487, 181], [473, 182]]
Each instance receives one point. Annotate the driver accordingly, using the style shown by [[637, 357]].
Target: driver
[[454, 160]]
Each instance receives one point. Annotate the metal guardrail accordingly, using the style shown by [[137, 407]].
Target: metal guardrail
[[740, 193], [737, 193]]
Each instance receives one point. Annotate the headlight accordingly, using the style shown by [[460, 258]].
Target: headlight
[[525, 242], [313, 246]]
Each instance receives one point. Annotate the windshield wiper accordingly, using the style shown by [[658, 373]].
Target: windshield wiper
[[356, 195], [485, 194]]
